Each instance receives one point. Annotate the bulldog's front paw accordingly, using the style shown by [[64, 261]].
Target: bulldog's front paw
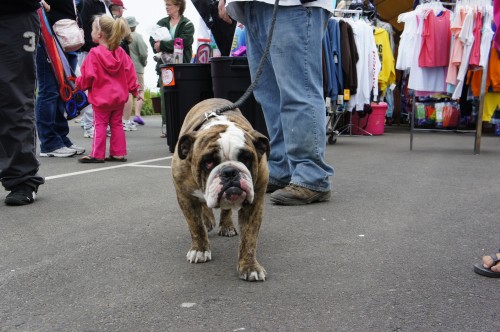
[[228, 231], [195, 256], [254, 272]]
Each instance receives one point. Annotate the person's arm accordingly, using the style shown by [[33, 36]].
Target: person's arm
[[131, 76], [142, 50], [187, 34], [223, 13]]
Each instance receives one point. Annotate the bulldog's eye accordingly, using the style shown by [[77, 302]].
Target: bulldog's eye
[[246, 158], [208, 163]]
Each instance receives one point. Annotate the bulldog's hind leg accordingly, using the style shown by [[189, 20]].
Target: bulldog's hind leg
[[200, 246], [208, 218], [226, 226]]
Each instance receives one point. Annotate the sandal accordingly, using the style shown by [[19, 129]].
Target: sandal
[[90, 160], [484, 271], [112, 158], [163, 135]]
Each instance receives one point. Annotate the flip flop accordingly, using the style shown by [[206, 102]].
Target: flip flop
[[480, 269], [90, 160], [112, 158]]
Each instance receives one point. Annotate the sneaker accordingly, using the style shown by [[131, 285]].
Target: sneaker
[[139, 120], [60, 153], [21, 195], [88, 133], [79, 150], [130, 126], [271, 187], [296, 195]]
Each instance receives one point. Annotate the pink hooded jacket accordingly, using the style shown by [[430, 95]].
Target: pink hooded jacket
[[108, 76]]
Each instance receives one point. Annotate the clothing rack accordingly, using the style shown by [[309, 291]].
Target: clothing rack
[[337, 110], [356, 12]]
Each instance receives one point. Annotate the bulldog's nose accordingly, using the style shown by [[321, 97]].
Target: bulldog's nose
[[230, 173]]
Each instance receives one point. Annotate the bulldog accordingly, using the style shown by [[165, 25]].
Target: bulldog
[[220, 162]]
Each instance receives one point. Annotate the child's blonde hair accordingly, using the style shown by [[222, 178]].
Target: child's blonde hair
[[113, 30]]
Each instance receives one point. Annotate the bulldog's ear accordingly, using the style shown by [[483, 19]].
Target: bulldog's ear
[[261, 144], [184, 145]]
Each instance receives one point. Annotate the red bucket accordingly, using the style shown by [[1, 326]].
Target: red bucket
[[372, 123]]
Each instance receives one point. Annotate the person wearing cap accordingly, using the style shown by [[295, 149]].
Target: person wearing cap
[[116, 8], [139, 54]]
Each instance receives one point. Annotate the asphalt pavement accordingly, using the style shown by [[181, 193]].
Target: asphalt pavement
[[104, 246]]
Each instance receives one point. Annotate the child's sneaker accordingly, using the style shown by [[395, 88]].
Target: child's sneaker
[[88, 133], [130, 126]]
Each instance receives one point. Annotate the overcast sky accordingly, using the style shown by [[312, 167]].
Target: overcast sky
[[147, 13]]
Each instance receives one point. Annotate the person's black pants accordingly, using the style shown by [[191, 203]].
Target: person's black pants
[[19, 35]]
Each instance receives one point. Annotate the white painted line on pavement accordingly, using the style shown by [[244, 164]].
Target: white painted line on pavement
[[150, 166], [106, 168]]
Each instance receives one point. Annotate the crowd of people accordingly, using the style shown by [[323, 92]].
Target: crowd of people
[[110, 68]]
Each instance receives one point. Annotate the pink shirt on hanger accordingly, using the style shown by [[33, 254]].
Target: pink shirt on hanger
[[436, 40], [475, 54]]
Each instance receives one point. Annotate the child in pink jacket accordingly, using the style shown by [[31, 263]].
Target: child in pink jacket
[[109, 75]]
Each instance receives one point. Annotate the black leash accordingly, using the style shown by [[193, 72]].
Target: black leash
[[252, 86]]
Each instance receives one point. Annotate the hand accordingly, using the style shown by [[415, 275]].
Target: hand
[[140, 96], [223, 13], [157, 46], [46, 6]]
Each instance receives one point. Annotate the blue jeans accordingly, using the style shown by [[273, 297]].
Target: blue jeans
[[290, 91], [51, 123]]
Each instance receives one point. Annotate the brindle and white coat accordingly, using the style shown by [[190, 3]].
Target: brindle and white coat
[[221, 162]]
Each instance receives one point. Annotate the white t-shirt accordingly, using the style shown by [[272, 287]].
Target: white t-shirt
[[368, 66], [407, 43], [486, 38]]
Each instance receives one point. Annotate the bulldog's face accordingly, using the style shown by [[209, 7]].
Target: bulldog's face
[[224, 160]]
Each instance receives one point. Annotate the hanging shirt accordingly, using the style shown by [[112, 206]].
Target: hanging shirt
[[496, 17], [475, 54], [331, 47], [486, 38], [349, 57], [431, 79], [407, 42], [458, 47], [436, 39], [467, 38], [367, 67], [387, 75]]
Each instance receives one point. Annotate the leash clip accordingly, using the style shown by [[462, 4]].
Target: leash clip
[[210, 115]]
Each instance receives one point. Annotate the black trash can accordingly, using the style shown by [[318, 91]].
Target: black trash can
[[184, 85], [230, 80]]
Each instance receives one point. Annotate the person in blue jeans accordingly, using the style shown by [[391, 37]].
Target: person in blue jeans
[[290, 92], [51, 123]]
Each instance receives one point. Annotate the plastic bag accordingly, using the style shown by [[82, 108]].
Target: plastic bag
[[159, 33]]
